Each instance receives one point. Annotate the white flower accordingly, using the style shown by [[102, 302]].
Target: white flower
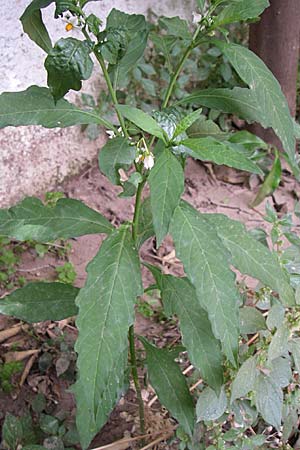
[[71, 21], [149, 161], [111, 134], [196, 17]]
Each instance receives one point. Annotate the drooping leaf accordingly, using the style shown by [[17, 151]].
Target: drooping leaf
[[39, 301], [279, 343], [251, 257], [273, 110], [203, 128], [106, 310], [240, 10], [220, 152], [34, 26], [166, 182], [32, 220], [64, 6], [36, 106], [176, 26], [170, 385], [145, 223], [206, 263], [251, 320], [245, 379], [211, 406], [142, 120], [270, 183], [248, 140], [179, 297], [268, 399], [67, 64], [117, 153], [186, 122]]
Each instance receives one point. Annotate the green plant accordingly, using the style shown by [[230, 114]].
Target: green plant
[[7, 370], [245, 380]]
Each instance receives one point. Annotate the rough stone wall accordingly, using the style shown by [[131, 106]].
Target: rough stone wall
[[33, 159]]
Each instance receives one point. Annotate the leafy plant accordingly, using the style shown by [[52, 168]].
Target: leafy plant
[[247, 380]]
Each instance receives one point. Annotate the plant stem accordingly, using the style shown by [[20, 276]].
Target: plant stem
[[135, 377], [179, 68]]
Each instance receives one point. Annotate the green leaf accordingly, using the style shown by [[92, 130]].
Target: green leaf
[[211, 406], [170, 385], [245, 379], [210, 149], [166, 182], [48, 424], [12, 431], [251, 320], [106, 311], [67, 64], [33, 24], [176, 27], [294, 348], [145, 225], [204, 128], [179, 297], [36, 106], [164, 45], [201, 4], [117, 153], [279, 343], [270, 183], [31, 220], [275, 316], [272, 107], [248, 140], [251, 257], [142, 120], [132, 49], [281, 372], [186, 122], [38, 301], [269, 399], [240, 10], [206, 263], [238, 101], [130, 186]]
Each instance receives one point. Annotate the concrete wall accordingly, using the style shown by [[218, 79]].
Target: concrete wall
[[33, 159]]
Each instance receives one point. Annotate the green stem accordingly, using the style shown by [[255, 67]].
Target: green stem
[[108, 83], [135, 377]]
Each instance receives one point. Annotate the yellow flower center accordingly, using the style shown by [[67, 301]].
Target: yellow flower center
[[69, 26]]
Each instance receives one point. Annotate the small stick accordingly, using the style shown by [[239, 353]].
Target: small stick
[[252, 339], [10, 332], [19, 356], [27, 369], [156, 441]]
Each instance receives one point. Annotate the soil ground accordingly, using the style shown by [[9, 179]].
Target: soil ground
[[210, 189]]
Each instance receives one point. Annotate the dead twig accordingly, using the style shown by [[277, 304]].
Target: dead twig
[[27, 369]]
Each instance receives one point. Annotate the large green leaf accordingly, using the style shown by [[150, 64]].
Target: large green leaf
[[270, 183], [142, 120], [206, 263], [33, 24], [240, 10], [106, 310], [166, 182], [31, 219], [170, 385], [269, 400], [251, 257], [36, 106], [279, 343], [220, 152], [211, 406], [179, 297], [67, 64], [272, 106], [251, 320], [40, 301], [117, 153], [176, 26]]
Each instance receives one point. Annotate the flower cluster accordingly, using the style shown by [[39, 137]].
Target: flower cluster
[[144, 156]]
